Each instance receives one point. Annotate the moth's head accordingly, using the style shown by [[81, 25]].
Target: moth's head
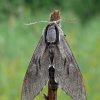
[[51, 33]]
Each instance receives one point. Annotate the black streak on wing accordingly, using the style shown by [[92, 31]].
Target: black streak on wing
[[36, 75]]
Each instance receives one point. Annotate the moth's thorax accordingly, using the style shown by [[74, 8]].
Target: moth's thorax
[[51, 34]]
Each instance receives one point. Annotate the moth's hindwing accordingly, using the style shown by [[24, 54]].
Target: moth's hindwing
[[37, 73]]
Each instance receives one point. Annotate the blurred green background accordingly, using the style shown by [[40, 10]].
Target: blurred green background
[[18, 41]]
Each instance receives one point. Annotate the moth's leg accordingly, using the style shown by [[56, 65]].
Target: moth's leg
[[45, 97]]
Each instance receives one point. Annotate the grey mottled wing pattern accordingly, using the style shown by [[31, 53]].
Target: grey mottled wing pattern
[[67, 73], [37, 73]]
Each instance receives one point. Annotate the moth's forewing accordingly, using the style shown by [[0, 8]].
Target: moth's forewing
[[37, 72], [67, 72]]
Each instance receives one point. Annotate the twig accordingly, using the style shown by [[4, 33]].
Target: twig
[[52, 95]]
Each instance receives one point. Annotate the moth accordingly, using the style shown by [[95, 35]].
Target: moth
[[53, 61]]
